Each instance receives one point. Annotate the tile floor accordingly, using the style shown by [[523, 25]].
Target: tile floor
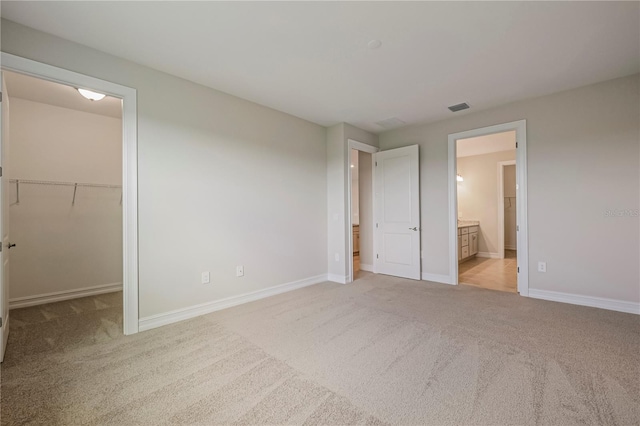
[[493, 274]]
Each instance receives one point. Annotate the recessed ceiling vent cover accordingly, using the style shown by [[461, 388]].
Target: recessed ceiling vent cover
[[390, 123], [459, 107]]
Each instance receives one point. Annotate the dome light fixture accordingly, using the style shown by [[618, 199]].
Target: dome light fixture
[[91, 95]]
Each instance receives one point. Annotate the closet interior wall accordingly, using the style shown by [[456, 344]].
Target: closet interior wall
[[65, 172]]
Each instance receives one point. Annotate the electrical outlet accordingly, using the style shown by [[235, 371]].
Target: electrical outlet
[[206, 277], [542, 266], [239, 271]]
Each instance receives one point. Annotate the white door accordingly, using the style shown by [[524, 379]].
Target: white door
[[4, 223], [397, 210]]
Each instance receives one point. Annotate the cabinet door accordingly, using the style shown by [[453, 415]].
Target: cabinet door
[[473, 246], [356, 239], [459, 248]]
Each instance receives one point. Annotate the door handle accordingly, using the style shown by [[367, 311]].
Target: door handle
[[10, 245], [415, 228]]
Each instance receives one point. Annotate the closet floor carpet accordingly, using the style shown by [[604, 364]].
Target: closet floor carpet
[[382, 350]]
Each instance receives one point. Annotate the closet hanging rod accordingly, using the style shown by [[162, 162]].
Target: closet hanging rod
[[47, 182]]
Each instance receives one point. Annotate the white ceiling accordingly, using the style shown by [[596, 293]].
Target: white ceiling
[[311, 59], [47, 92], [486, 144]]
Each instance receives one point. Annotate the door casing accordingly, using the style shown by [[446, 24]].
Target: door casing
[[520, 127], [359, 146]]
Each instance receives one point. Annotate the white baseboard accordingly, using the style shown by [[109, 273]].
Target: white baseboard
[[488, 255], [510, 248], [365, 267], [41, 299], [159, 320], [595, 302], [437, 278], [340, 279]]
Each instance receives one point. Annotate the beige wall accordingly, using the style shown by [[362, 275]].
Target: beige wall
[[61, 247], [510, 238], [583, 161], [478, 195], [222, 181]]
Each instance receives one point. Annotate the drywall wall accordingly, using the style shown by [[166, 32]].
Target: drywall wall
[[222, 182], [583, 193], [509, 191], [60, 246], [478, 195], [337, 143], [365, 171]]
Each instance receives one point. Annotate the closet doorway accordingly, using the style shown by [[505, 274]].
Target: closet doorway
[[63, 208]]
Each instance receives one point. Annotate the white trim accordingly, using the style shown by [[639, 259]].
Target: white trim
[[594, 302], [366, 267], [489, 255], [5, 337], [57, 296], [359, 146], [437, 278], [501, 165], [159, 320], [129, 166], [340, 279], [520, 128], [453, 210]]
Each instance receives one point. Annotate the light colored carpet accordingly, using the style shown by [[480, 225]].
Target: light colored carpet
[[381, 350]]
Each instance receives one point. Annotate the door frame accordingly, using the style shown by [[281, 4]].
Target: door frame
[[501, 166], [359, 146], [520, 127], [129, 166]]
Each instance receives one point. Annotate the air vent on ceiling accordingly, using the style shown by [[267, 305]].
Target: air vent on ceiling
[[390, 123], [459, 107]]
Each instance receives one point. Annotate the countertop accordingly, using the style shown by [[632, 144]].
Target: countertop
[[466, 223]]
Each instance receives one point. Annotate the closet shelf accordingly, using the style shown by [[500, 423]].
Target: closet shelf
[[75, 186], [50, 182]]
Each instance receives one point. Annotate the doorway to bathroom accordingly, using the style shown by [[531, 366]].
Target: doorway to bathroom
[[488, 224]]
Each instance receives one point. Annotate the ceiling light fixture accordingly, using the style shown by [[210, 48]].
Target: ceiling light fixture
[[352, 166], [459, 178], [91, 95]]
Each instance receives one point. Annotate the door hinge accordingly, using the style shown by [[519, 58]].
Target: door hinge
[[376, 225], [517, 227], [377, 257], [376, 164], [0, 96], [0, 171], [0, 321], [518, 269], [516, 144]]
